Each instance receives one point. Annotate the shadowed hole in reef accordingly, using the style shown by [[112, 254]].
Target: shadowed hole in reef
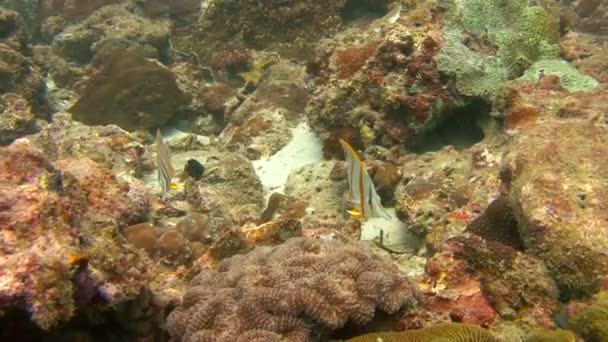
[[363, 10], [462, 129]]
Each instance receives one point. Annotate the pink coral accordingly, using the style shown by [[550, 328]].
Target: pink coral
[[274, 293]]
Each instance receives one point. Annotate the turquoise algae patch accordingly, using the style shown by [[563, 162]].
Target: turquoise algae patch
[[509, 36], [570, 78]]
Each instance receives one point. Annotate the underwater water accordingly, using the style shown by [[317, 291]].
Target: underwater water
[[303, 170]]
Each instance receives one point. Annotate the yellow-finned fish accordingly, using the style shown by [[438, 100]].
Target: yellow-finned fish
[[363, 196], [163, 163]]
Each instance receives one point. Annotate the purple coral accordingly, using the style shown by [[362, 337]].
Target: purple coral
[[274, 293]]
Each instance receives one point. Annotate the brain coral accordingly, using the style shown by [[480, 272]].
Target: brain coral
[[453, 332], [276, 293]]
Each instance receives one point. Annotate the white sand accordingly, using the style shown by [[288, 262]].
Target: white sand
[[303, 149], [394, 232]]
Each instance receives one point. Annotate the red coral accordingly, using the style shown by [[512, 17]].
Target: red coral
[[231, 57], [351, 60]]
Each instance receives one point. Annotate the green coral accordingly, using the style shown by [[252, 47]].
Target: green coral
[[509, 35], [592, 322], [546, 335], [476, 75], [456, 332], [569, 77]]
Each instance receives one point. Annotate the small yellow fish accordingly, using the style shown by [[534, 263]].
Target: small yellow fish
[[362, 193], [163, 163]]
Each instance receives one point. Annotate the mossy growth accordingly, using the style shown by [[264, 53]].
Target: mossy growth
[[488, 42], [592, 322]]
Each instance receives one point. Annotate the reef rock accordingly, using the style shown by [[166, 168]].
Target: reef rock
[[380, 81], [262, 122], [61, 248], [129, 91], [442, 192], [289, 28], [289, 291], [109, 28], [108, 145], [477, 281], [75, 8], [556, 177], [585, 15], [229, 190], [16, 118], [18, 71]]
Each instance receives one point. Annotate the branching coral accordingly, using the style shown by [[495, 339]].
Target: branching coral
[[275, 292]]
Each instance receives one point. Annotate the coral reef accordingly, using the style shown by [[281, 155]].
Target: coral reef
[[109, 145], [585, 15], [261, 124], [290, 29], [443, 192], [77, 8], [61, 252], [129, 91], [156, 8], [312, 185], [474, 281], [109, 28], [280, 292], [591, 321], [556, 182], [381, 81], [16, 118], [582, 50], [18, 72], [500, 40], [231, 57], [229, 189]]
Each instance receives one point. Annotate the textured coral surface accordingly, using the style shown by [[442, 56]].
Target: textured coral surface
[[285, 291], [57, 232], [558, 184]]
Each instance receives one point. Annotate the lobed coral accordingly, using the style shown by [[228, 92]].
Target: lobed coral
[[280, 292]]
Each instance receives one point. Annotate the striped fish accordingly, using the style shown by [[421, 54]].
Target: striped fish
[[363, 196], [163, 163]]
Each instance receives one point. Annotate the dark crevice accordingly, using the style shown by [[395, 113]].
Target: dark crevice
[[357, 10], [461, 129]]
